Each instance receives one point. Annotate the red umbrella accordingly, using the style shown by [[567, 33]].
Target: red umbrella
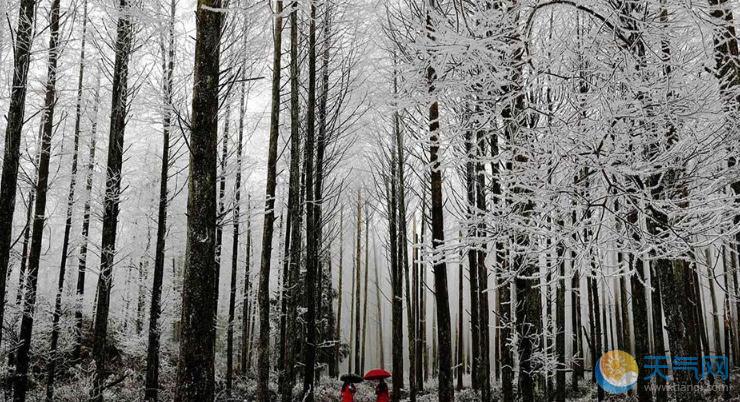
[[377, 374]]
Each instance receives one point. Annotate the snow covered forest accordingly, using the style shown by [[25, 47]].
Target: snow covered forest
[[212, 200]]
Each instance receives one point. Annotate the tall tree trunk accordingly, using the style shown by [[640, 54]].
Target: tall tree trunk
[[445, 391], [143, 276], [312, 242], [470, 183], [13, 129], [364, 297], [295, 214], [235, 240], [221, 205], [357, 299], [246, 340], [595, 318], [403, 254], [340, 289], [321, 142], [26, 238], [112, 194], [353, 293], [269, 220], [639, 309], [39, 219], [560, 325], [418, 328], [195, 366], [82, 259], [152, 357], [397, 291], [381, 348], [460, 334], [658, 328], [51, 366], [424, 367], [484, 311]]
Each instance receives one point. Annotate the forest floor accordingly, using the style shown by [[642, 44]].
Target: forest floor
[[127, 364], [328, 391]]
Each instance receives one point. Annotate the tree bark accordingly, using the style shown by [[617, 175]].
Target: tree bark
[[340, 289], [112, 194], [235, 242], [445, 390], [51, 366], [246, 340], [168, 67], [560, 324], [639, 309], [82, 259], [484, 311], [460, 334], [13, 129], [381, 349], [470, 183], [195, 367], [294, 212], [263, 363], [397, 291], [364, 297], [357, 298], [312, 243], [403, 256], [29, 302]]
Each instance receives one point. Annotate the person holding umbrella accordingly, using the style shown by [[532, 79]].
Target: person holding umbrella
[[348, 386], [381, 391]]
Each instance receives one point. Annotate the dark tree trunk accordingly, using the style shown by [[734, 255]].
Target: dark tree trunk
[[657, 311], [152, 357], [26, 240], [235, 244], [446, 391], [112, 195], [51, 366], [639, 309], [15, 120], [318, 199], [595, 317], [403, 256], [381, 348], [396, 284], [82, 259], [295, 215], [312, 243], [338, 333], [484, 312], [470, 182], [418, 329], [364, 296], [195, 366], [39, 219], [246, 340], [575, 297], [560, 324], [357, 281], [269, 221], [423, 368], [221, 207], [460, 335]]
